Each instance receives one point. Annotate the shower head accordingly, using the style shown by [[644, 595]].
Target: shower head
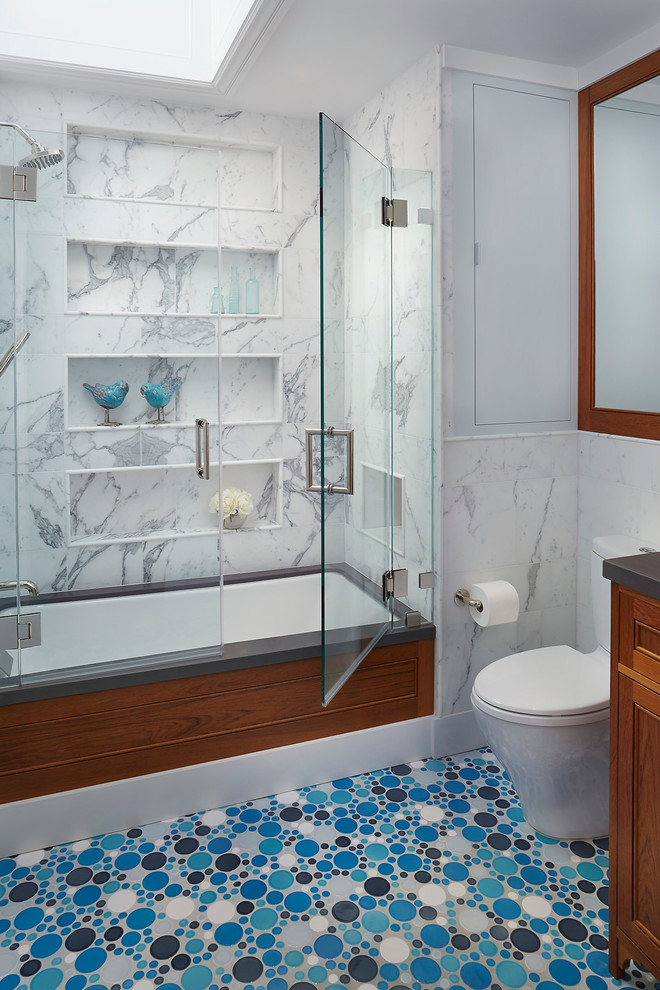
[[39, 156]]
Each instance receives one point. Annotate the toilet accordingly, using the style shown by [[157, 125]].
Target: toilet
[[545, 715]]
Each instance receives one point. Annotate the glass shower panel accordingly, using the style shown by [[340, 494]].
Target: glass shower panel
[[356, 399], [9, 603], [412, 370], [115, 524]]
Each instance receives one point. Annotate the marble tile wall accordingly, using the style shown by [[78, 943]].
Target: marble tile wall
[[619, 493], [509, 514], [131, 275], [400, 126]]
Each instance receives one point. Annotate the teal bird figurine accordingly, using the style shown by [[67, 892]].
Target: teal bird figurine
[[108, 397], [158, 395]]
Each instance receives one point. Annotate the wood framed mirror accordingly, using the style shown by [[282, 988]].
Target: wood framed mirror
[[619, 220]]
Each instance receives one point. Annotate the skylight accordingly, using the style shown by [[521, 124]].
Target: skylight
[[176, 39]]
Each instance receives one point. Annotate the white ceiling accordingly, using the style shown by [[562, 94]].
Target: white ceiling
[[334, 56], [297, 57]]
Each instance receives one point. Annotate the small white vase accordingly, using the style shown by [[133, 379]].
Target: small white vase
[[235, 521]]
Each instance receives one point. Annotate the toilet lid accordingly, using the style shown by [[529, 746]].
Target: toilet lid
[[553, 680]]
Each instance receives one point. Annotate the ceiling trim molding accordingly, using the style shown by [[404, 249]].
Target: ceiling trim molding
[[260, 22], [507, 67], [41, 71], [262, 19]]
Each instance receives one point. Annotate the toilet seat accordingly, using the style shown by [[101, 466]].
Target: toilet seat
[[551, 684]]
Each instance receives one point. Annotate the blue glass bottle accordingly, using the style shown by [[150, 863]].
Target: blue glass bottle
[[252, 293], [214, 301], [234, 292]]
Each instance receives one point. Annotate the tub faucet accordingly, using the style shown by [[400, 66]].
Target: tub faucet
[[29, 586]]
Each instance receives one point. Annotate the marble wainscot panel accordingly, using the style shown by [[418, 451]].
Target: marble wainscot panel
[[510, 514], [619, 486]]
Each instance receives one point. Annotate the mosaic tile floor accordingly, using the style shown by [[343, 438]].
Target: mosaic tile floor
[[419, 876]]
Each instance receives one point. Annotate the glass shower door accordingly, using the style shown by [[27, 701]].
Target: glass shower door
[[9, 600], [116, 525], [355, 442]]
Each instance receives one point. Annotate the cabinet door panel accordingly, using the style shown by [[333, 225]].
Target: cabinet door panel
[[639, 817], [640, 635]]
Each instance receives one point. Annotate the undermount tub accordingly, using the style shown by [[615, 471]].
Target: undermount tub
[[141, 630]]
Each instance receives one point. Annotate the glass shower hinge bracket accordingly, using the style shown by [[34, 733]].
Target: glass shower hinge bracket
[[18, 183], [26, 631], [395, 584], [394, 212]]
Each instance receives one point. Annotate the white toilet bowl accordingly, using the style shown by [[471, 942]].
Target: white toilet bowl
[[545, 714]]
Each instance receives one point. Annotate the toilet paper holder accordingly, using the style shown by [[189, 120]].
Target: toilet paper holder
[[462, 597]]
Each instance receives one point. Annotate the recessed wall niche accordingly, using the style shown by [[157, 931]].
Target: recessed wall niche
[[263, 480], [196, 396], [168, 501], [105, 277], [250, 179], [133, 167], [267, 265], [104, 167], [251, 388]]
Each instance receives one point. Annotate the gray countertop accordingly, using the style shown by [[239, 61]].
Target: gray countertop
[[640, 572]]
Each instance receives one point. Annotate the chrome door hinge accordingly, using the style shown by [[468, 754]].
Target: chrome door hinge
[[395, 584], [413, 619], [394, 212], [18, 183], [25, 630]]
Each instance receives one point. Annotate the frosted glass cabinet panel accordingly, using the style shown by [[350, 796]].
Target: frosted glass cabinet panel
[[626, 251], [522, 258]]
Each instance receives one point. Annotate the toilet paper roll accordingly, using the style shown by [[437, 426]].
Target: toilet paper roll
[[500, 603]]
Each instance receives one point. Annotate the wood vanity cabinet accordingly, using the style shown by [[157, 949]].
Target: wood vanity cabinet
[[634, 906]]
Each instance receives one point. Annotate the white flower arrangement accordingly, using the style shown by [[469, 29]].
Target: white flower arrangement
[[234, 501]]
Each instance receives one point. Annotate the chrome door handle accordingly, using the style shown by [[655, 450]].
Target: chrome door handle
[[202, 448], [330, 431]]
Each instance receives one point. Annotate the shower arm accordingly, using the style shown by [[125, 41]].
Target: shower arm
[[21, 131]]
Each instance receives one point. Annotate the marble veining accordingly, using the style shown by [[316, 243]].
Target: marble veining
[[100, 166], [510, 514], [268, 200]]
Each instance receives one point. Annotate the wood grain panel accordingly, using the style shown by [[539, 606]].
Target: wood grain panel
[[634, 891], [100, 736], [646, 897], [640, 634], [183, 719], [622, 422]]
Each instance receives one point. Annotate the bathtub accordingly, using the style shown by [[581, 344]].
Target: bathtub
[[142, 630]]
